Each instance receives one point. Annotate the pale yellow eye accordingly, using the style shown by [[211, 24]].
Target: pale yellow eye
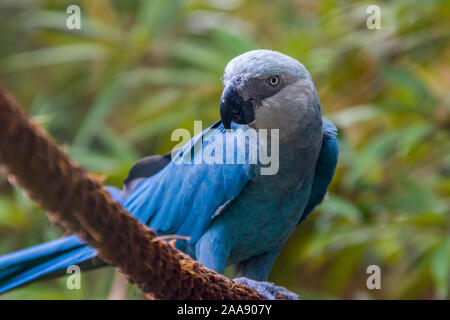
[[274, 80]]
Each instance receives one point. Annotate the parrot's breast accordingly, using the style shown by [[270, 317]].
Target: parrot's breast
[[257, 221]]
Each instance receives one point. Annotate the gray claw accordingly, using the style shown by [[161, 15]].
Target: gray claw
[[267, 289]]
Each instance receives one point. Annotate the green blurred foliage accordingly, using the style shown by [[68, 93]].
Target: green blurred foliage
[[113, 92]]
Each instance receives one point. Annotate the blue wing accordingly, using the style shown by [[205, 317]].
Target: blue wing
[[325, 167], [183, 197]]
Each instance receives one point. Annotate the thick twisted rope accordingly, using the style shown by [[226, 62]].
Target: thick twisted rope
[[81, 205]]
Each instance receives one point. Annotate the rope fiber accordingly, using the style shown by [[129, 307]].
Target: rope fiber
[[77, 201]]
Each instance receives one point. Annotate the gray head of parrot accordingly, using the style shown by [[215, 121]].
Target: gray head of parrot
[[266, 89]]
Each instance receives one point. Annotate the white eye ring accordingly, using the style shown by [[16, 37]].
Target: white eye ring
[[274, 80]]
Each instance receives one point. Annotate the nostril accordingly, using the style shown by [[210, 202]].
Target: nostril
[[253, 102]]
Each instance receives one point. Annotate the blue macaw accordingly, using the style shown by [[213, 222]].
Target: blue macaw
[[233, 213]]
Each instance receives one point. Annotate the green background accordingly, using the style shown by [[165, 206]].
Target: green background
[[113, 91]]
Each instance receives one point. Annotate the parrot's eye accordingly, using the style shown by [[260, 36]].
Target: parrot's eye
[[274, 80]]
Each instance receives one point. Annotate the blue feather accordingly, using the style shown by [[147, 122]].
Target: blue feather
[[165, 201], [23, 266], [183, 197], [325, 167]]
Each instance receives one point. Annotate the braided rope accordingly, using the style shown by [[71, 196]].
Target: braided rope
[[80, 204]]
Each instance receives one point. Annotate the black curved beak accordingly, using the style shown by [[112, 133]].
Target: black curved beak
[[234, 108]]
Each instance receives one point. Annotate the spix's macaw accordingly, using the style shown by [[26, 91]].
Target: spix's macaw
[[232, 213]]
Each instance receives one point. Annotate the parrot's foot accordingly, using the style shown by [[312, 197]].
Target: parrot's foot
[[267, 289]]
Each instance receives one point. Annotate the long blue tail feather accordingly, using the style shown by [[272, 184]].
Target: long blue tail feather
[[39, 251], [23, 266], [18, 275]]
